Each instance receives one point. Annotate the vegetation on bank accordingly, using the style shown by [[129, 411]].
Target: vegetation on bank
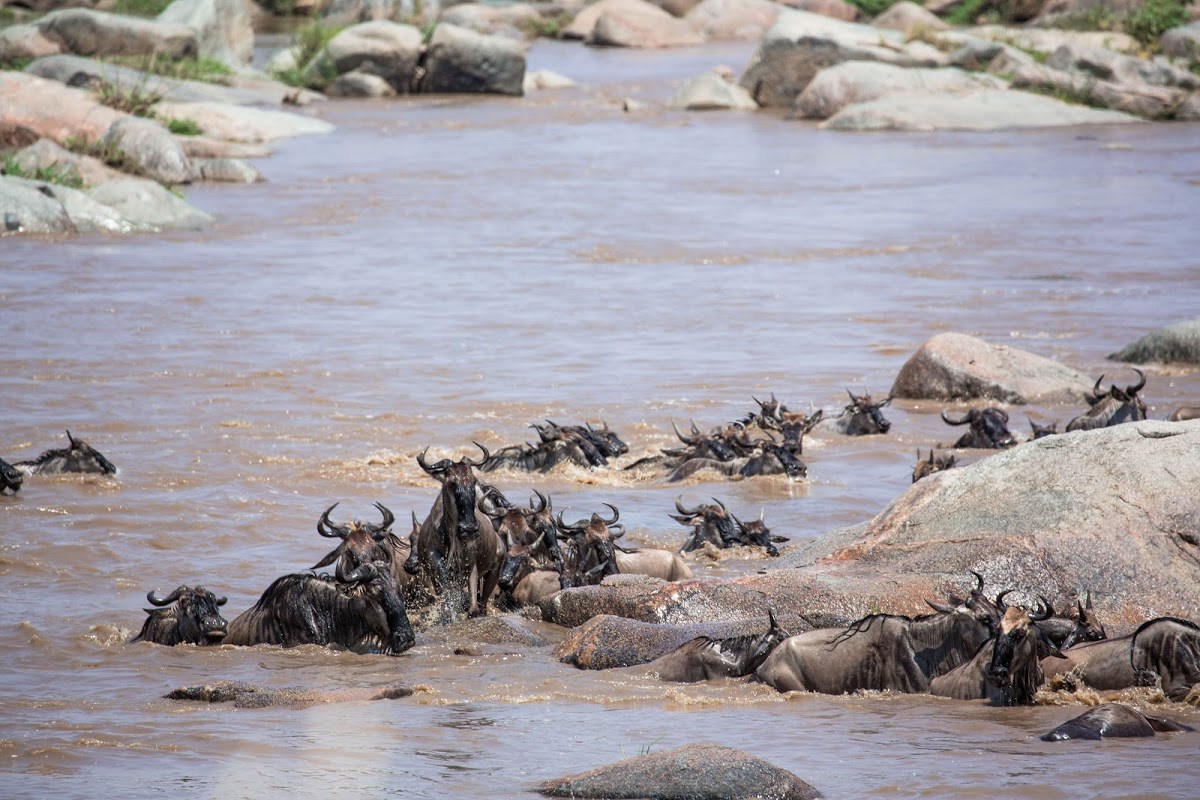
[[307, 43], [140, 8], [59, 174]]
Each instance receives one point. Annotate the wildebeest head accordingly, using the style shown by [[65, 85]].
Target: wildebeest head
[[525, 538], [709, 523], [756, 533], [188, 615], [458, 490], [364, 545], [1042, 431], [79, 457], [594, 541], [927, 466], [607, 440], [775, 459], [989, 429], [1016, 653], [1088, 627], [1113, 407], [985, 612], [701, 445], [864, 416], [11, 478]]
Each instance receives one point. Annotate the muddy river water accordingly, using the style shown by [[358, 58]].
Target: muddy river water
[[443, 270]]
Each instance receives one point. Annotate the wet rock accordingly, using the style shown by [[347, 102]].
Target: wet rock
[[208, 147], [955, 366], [712, 92], [801, 44], [1107, 65], [34, 108], [462, 61], [1144, 100], [1112, 720], [907, 17], [148, 205], [543, 79], [149, 149], [515, 21], [21, 42], [236, 123], [700, 771], [223, 28], [360, 84], [387, 49], [94, 33], [637, 24], [860, 81], [37, 207], [245, 695], [226, 170], [733, 20], [44, 154], [1174, 344], [1182, 42], [1046, 41], [654, 600], [500, 629]]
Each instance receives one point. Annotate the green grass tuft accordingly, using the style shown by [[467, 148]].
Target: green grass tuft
[[140, 8], [182, 127], [1153, 18], [60, 174]]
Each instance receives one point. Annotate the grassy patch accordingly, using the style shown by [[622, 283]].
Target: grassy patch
[[62, 175], [1091, 19], [137, 99], [140, 8], [1154, 17], [967, 12], [547, 26], [930, 36], [873, 8], [182, 126], [309, 42], [111, 154], [1075, 95], [205, 69], [16, 64]]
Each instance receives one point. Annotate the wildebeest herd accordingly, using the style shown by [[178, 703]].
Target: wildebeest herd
[[475, 547]]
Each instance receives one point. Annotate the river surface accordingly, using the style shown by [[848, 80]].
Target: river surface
[[442, 270]]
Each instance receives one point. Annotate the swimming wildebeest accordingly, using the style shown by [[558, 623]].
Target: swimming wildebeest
[[716, 526], [1112, 720], [581, 445], [528, 549], [1042, 431], [863, 416], [767, 458], [928, 466], [883, 652], [1113, 407], [188, 615], [11, 478], [705, 658], [989, 429], [79, 457], [592, 544], [1184, 413], [1067, 630]]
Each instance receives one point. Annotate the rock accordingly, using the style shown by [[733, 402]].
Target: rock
[[94, 33], [148, 205], [516, 21], [801, 44], [983, 110], [502, 629], [208, 147], [226, 170], [245, 695], [243, 123], [1174, 344], [149, 150], [908, 17], [387, 49], [1188, 110], [654, 600], [22, 42], [360, 84], [543, 79], [44, 153], [223, 28], [34, 108], [462, 61], [709, 92], [1183, 42], [1110, 720], [1117, 68], [1047, 41], [733, 20], [837, 9], [581, 26], [1007, 62], [283, 61], [701, 771], [37, 207], [677, 8], [634, 23], [606, 641], [859, 81], [1061, 13], [348, 12], [955, 366], [1150, 102]]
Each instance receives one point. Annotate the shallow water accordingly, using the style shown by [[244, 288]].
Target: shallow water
[[446, 270]]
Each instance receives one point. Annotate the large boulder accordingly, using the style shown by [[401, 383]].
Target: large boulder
[[1046, 41], [23, 42], [1107, 65], [981, 110], [94, 33], [1144, 100], [1182, 42], [711, 92], [1174, 344], [236, 123], [955, 366], [859, 81], [45, 154], [360, 84], [800, 44], [387, 49], [462, 61], [37, 207], [149, 149], [1055, 14], [633, 23], [908, 17], [653, 600], [34, 108], [706, 771], [148, 205], [733, 20], [223, 28], [581, 26], [516, 20]]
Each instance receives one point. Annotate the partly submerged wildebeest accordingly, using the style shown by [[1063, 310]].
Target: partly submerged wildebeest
[[711, 524], [11, 478], [775, 416], [528, 548], [1184, 413], [79, 457], [989, 429], [581, 445], [363, 544], [863, 416], [1113, 407], [188, 615], [1067, 630], [882, 652], [767, 458], [593, 545], [458, 547], [1112, 720], [928, 466], [1042, 431], [705, 658]]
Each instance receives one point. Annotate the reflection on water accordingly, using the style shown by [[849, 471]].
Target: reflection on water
[[442, 271]]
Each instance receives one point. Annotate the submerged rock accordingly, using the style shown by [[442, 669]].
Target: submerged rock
[[235, 123], [1112, 720], [1174, 344], [712, 92], [246, 695]]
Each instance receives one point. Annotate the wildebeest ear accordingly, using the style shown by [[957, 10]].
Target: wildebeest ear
[[329, 559]]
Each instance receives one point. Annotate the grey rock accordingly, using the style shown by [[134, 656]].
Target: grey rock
[[852, 82], [223, 28], [77, 212], [245, 695], [1174, 344], [19, 42], [1144, 100], [907, 16], [1107, 65], [94, 33], [360, 84], [149, 150], [515, 20], [236, 123], [148, 205], [226, 170], [44, 153], [1182, 42], [733, 20], [630, 23], [387, 49], [653, 600], [710, 92], [207, 147], [543, 79], [25, 208], [1043, 40], [459, 61]]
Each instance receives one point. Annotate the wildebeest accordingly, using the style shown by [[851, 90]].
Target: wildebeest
[[188, 615], [1067, 630], [716, 526], [363, 544], [592, 544], [527, 549], [79, 457], [863, 416], [11, 478], [1113, 407], [581, 445], [883, 652], [1042, 431], [775, 416], [458, 547], [767, 458], [653, 562], [1184, 413], [928, 466], [1112, 720], [989, 429], [705, 658]]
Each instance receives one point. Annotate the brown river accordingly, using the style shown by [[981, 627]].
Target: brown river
[[445, 270]]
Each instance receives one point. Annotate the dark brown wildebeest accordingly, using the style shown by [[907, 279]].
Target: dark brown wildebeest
[[1067, 630], [883, 652], [1113, 407], [79, 457], [458, 547], [1112, 720], [581, 445], [1184, 413], [705, 658], [768, 458], [593, 544], [863, 416], [712, 524], [527, 550], [11, 478], [188, 615], [775, 416], [1042, 431], [989, 429], [928, 466]]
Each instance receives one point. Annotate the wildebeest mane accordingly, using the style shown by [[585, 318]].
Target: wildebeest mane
[[863, 625]]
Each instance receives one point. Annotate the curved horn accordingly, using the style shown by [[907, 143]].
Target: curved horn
[[543, 502], [978, 577], [966, 418], [424, 465], [741, 525], [1000, 604], [722, 505], [687, 513], [616, 515], [328, 529], [486, 456], [1003, 414], [155, 600], [1096, 389], [853, 399], [1132, 390], [415, 523], [222, 601], [1045, 610], [564, 527], [388, 517], [71, 439], [682, 438], [616, 531]]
